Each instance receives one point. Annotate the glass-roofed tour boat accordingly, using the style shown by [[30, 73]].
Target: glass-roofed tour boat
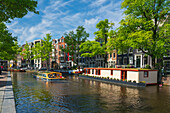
[[49, 76]]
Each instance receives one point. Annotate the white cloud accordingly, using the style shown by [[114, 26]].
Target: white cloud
[[29, 15], [90, 26], [97, 3], [11, 25], [60, 17]]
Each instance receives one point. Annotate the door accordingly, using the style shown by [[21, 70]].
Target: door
[[138, 61], [124, 75]]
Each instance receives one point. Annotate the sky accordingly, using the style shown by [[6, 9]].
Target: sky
[[61, 16]]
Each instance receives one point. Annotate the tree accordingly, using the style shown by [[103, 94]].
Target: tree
[[118, 42], [46, 49], [10, 9], [26, 53], [43, 50], [91, 48], [102, 35], [7, 43], [73, 41], [36, 51], [143, 27]]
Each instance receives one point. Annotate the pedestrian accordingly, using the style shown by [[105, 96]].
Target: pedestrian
[[0, 70]]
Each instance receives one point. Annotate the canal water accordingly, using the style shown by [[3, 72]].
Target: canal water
[[77, 95]]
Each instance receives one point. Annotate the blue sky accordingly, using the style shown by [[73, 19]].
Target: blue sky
[[61, 16]]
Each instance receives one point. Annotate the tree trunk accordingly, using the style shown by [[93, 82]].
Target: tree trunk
[[153, 62], [105, 60], [47, 64], [78, 62]]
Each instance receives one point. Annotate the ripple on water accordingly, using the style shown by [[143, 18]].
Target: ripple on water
[[78, 95]]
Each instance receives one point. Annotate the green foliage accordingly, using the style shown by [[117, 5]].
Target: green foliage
[[91, 48], [43, 50], [144, 28], [8, 44], [46, 47], [26, 52], [104, 26], [147, 67], [10, 9], [134, 81], [73, 41]]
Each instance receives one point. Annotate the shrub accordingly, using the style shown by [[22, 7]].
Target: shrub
[[114, 79], [147, 67], [129, 81], [117, 79], [128, 66], [107, 77], [134, 81], [142, 82], [125, 80]]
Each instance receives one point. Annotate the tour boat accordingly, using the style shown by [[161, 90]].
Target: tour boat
[[51, 76]]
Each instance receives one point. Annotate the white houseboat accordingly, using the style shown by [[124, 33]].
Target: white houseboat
[[146, 76]]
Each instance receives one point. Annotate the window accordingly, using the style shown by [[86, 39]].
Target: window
[[113, 55], [92, 71], [110, 55], [99, 72], [131, 60], [88, 71], [138, 51], [145, 60], [62, 40], [125, 60], [131, 50], [59, 52], [145, 74], [111, 72], [96, 71], [120, 61], [61, 58]]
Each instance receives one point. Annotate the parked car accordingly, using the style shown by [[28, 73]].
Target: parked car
[[42, 69], [24, 68], [5, 69], [51, 69]]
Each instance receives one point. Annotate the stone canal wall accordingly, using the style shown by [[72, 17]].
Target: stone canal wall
[[125, 83], [166, 80], [7, 102]]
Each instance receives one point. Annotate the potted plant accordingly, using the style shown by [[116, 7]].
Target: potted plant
[[134, 81]]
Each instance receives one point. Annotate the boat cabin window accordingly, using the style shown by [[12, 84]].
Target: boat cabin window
[[40, 74], [44, 75], [49, 75], [54, 75], [58, 75]]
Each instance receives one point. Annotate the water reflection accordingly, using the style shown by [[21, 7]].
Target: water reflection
[[80, 95]]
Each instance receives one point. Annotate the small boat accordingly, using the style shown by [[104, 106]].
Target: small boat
[[51, 76]]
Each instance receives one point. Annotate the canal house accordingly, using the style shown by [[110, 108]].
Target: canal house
[[124, 74]]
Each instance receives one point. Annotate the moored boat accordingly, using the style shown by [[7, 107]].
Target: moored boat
[[51, 76]]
